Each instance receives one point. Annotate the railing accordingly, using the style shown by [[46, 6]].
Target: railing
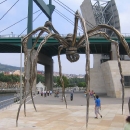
[[7, 103], [63, 35], [9, 90], [16, 36]]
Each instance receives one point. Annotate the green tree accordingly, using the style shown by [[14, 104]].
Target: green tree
[[66, 81], [40, 78], [81, 84], [9, 78], [54, 79]]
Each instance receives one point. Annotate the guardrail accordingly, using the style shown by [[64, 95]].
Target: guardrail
[[9, 90], [63, 35], [9, 102]]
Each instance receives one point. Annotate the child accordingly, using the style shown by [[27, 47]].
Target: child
[[127, 125]]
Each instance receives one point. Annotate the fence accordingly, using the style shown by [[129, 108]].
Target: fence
[[7, 103], [43, 35]]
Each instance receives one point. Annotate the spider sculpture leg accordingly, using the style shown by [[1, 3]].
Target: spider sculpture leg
[[32, 67], [33, 77], [24, 42], [60, 72], [119, 62], [124, 43], [25, 63], [83, 24], [20, 107], [64, 43]]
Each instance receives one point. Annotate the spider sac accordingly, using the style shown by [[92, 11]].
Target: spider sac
[[71, 51]]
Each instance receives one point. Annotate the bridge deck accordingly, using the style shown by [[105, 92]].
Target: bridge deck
[[98, 45]]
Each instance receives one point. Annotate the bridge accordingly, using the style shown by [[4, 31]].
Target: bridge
[[98, 45]]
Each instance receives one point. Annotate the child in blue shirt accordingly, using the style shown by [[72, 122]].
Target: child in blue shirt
[[97, 106]]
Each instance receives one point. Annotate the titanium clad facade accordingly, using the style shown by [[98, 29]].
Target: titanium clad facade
[[87, 13], [101, 12]]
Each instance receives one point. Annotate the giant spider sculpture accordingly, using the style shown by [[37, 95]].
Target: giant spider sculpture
[[71, 45]]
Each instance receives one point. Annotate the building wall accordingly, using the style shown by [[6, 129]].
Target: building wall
[[96, 77], [87, 13], [97, 81], [112, 78], [106, 78]]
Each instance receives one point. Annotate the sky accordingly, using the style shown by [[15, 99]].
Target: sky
[[20, 11]]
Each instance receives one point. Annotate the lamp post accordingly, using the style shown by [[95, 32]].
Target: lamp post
[[21, 75]]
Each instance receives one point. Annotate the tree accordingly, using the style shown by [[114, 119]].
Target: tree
[[40, 78], [54, 79], [81, 84], [9, 78], [66, 82]]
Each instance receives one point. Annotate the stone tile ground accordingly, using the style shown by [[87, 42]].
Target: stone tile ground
[[57, 117]]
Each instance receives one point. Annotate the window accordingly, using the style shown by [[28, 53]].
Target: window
[[127, 81]]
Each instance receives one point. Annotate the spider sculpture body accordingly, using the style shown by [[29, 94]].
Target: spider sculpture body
[[71, 46]]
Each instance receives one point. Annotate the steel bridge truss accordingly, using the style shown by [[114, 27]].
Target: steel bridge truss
[[105, 12]]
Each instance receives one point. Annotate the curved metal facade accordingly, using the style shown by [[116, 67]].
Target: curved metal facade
[[101, 12]]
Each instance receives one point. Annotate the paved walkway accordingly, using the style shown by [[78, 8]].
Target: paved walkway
[[57, 117]]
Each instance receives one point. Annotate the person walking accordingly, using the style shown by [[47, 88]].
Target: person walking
[[127, 125], [71, 95], [45, 93], [94, 95], [50, 92], [42, 93], [97, 107]]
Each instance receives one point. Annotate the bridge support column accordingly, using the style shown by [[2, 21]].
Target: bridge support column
[[48, 62], [113, 52], [49, 76]]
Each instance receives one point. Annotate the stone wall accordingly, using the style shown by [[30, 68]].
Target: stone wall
[[112, 78], [97, 81], [96, 77]]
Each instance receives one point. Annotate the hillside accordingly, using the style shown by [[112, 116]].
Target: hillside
[[6, 68]]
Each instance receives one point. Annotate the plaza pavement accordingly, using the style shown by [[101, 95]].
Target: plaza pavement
[[52, 115]]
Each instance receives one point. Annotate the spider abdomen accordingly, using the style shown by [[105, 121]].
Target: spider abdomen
[[71, 54]]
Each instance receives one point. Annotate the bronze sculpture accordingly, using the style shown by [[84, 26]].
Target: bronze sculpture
[[71, 46]]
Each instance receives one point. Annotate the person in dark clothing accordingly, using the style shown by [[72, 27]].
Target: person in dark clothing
[[71, 96], [41, 93]]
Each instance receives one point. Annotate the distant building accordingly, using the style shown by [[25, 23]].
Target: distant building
[[39, 72], [6, 73], [16, 72]]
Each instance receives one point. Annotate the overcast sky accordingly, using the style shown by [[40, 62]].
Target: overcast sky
[[19, 11]]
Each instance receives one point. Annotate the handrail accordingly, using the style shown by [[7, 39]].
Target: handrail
[[6, 103], [43, 35], [7, 100]]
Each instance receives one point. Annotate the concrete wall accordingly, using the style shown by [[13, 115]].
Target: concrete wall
[[97, 81], [112, 78], [96, 77]]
